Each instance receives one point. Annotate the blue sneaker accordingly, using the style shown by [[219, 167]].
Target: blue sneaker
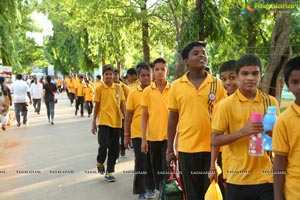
[[110, 178], [150, 194], [142, 196]]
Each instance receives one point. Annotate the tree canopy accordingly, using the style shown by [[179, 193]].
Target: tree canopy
[[90, 33]]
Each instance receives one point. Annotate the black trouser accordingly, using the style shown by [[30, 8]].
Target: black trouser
[[37, 105], [59, 89], [79, 101], [108, 138], [89, 107], [150, 185], [140, 167], [158, 160], [194, 168], [250, 192], [122, 147], [71, 97]]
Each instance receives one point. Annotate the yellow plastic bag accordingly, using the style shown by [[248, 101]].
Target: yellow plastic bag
[[213, 192]]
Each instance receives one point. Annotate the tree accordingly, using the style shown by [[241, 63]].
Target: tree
[[280, 52]]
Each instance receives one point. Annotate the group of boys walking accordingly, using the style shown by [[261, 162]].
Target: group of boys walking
[[190, 119]]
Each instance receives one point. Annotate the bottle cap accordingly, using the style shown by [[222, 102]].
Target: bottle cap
[[256, 117], [272, 108]]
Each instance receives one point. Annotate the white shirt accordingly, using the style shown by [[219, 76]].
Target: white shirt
[[20, 88], [36, 90]]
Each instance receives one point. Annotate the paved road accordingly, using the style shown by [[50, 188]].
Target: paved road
[[53, 162]]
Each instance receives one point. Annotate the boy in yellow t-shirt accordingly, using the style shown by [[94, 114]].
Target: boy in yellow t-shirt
[[247, 176], [191, 102], [109, 107], [125, 89], [133, 130], [79, 95], [154, 101], [228, 76], [88, 92], [286, 136]]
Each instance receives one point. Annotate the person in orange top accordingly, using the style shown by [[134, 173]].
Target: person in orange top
[[79, 96], [154, 101], [191, 103], [143, 181], [125, 89], [59, 84], [88, 92], [70, 89], [109, 107]]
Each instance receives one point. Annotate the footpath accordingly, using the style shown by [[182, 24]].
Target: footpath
[[57, 162]]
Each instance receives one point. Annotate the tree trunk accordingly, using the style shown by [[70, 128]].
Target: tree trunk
[[145, 34], [280, 52]]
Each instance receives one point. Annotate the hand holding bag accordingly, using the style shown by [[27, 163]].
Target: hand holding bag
[[213, 192], [170, 188]]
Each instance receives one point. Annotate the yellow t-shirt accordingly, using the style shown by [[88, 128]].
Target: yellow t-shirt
[[194, 109], [70, 86], [135, 84], [286, 137], [97, 83], [126, 89], [79, 88], [110, 99], [88, 93], [232, 115], [59, 82], [133, 104], [224, 149], [157, 105]]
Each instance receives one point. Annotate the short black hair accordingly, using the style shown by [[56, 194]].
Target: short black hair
[[151, 65], [131, 71], [228, 66], [116, 71], [142, 65], [159, 60], [186, 50], [48, 78], [19, 76], [98, 77], [291, 65], [248, 59], [108, 67]]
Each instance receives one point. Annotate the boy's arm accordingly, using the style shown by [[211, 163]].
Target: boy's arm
[[145, 117], [213, 163], [95, 115], [123, 107], [172, 128], [127, 123], [248, 129], [279, 168]]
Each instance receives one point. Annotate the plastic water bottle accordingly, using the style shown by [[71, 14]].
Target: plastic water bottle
[[255, 140], [268, 123]]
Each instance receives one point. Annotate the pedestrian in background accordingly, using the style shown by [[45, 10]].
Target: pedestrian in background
[[36, 91], [49, 97], [20, 90]]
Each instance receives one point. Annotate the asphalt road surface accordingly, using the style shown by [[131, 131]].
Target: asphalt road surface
[[52, 162]]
